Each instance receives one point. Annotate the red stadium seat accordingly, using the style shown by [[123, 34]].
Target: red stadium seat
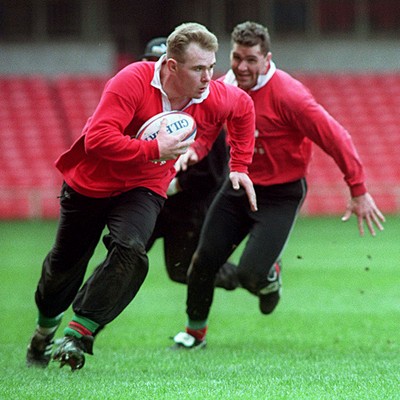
[[32, 137], [78, 96], [40, 118]]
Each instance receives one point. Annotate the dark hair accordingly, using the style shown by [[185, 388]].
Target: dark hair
[[251, 34], [155, 48]]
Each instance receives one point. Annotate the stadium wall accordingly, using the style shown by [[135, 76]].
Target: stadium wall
[[291, 55]]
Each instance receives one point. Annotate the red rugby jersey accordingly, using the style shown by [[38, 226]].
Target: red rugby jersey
[[288, 120], [107, 160]]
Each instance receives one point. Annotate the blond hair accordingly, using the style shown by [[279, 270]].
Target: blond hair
[[187, 33]]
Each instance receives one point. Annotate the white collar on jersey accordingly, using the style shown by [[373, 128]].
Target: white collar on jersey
[[261, 81], [156, 82]]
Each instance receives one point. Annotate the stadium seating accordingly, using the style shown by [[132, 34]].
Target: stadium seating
[[40, 117], [32, 136], [78, 96]]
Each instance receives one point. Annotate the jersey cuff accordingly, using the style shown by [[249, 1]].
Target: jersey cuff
[[358, 190], [151, 150]]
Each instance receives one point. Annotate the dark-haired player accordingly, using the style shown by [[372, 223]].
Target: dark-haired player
[[288, 121]]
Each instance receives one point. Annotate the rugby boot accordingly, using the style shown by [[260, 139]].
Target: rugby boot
[[71, 351], [185, 341], [269, 296], [39, 349]]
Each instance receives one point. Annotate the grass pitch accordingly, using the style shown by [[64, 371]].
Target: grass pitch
[[334, 335]]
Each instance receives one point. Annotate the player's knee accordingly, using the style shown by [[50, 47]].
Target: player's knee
[[227, 277], [177, 274], [248, 281], [131, 256]]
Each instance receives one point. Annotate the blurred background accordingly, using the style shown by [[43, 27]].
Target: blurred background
[[56, 56]]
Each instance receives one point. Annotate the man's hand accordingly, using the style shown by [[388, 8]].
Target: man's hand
[[170, 146], [364, 208], [189, 158], [240, 179]]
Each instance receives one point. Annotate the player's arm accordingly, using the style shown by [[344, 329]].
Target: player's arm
[[318, 125], [240, 128]]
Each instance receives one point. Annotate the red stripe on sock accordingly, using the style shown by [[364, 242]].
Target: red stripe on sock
[[80, 328], [199, 334], [277, 267]]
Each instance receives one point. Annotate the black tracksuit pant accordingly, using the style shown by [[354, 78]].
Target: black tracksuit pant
[[228, 222], [130, 218]]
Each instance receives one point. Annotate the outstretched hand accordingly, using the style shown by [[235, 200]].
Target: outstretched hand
[[364, 208], [240, 179]]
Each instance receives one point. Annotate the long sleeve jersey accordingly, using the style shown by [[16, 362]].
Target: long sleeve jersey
[[107, 159], [288, 120]]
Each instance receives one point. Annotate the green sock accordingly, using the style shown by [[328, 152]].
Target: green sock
[[191, 324], [47, 322], [81, 326], [47, 326]]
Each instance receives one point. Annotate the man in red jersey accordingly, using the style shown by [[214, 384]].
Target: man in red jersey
[[116, 181], [288, 120]]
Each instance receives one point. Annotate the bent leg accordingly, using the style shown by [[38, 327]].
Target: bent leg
[[272, 225], [117, 280]]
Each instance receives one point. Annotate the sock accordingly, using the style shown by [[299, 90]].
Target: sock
[[80, 326], [46, 331], [193, 324], [48, 325], [199, 334]]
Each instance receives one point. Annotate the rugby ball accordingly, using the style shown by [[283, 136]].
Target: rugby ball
[[177, 122]]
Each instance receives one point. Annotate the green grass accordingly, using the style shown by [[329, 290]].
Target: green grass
[[335, 334]]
